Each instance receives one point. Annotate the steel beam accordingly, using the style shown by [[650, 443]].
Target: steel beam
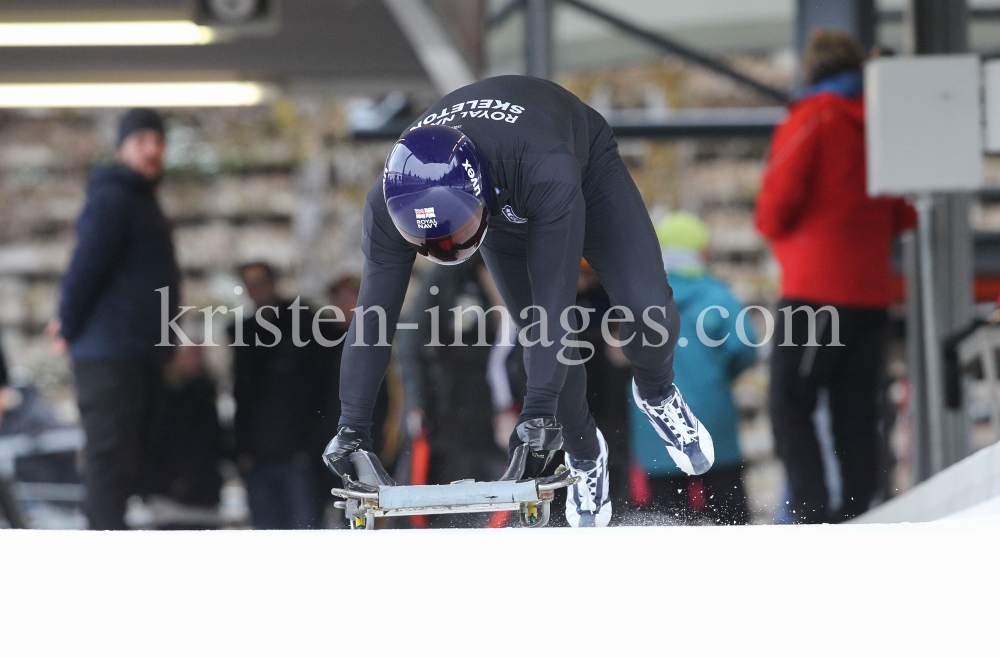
[[676, 48], [444, 64]]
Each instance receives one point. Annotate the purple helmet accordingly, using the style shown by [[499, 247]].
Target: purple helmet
[[437, 189]]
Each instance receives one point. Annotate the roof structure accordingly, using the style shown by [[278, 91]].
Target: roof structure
[[353, 45]]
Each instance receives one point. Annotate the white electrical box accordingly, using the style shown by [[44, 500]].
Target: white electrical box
[[923, 130]]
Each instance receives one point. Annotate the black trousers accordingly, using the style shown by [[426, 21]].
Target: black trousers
[[117, 400], [853, 376], [620, 244]]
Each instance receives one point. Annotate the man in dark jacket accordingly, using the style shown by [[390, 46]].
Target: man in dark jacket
[[833, 243], [123, 269]]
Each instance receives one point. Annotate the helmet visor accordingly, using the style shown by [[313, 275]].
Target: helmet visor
[[459, 245]]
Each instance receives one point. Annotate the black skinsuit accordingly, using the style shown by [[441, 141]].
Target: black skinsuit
[[564, 192]]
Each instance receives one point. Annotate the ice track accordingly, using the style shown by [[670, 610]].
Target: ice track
[[914, 589]]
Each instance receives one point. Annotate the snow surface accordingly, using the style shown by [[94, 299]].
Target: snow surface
[[985, 509], [913, 589]]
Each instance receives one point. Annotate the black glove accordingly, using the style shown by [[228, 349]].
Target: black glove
[[338, 451], [542, 436]]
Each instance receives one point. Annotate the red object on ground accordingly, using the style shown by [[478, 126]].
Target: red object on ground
[[498, 519], [419, 464], [832, 240], [696, 494], [638, 486]]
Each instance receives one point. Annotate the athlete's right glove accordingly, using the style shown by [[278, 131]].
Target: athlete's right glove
[[532, 446], [337, 454]]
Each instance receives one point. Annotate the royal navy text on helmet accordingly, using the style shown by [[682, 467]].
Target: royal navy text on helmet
[[425, 218]]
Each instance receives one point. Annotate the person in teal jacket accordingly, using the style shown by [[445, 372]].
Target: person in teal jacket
[[704, 370]]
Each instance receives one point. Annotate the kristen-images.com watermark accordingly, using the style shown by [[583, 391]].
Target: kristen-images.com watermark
[[534, 329]]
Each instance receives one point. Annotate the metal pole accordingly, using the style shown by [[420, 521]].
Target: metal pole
[[936, 26], [932, 341], [944, 245], [538, 38], [916, 372]]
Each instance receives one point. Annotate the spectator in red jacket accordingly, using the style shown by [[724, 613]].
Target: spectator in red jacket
[[833, 243]]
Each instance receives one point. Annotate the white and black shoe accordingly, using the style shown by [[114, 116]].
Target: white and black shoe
[[688, 441], [587, 501]]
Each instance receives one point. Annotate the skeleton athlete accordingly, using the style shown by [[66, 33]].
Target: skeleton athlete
[[523, 170]]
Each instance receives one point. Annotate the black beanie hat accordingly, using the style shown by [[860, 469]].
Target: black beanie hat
[[139, 119]]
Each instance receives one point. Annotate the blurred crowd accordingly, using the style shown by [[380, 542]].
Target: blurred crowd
[[150, 407]]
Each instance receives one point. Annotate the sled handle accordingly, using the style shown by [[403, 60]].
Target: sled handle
[[556, 485], [353, 494]]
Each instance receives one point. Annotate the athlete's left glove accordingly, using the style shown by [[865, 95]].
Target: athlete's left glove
[[542, 434], [337, 454]]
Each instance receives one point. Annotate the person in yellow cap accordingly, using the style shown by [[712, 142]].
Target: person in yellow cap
[[683, 238], [705, 366]]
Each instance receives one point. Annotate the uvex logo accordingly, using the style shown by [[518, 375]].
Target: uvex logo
[[473, 177]]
